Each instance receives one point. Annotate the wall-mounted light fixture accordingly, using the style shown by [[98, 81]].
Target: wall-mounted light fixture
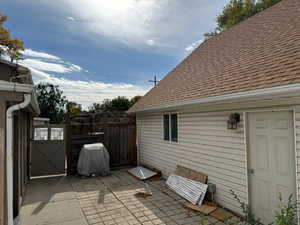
[[234, 119]]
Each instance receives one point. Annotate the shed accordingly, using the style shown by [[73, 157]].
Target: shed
[[231, 110]]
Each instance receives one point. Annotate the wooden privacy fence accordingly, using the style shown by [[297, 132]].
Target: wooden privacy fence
[[116, 131]]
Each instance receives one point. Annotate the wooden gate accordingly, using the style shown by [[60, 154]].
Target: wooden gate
[[48, 150], [117, 133]]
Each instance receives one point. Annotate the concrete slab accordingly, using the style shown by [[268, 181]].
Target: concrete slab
[[48, 190], [51, 213], [73, 222], [108, 200]]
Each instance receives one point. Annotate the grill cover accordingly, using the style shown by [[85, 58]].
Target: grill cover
[[93, 159]]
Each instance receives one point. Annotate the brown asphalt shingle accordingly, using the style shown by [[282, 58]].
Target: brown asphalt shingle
[[261, 52]]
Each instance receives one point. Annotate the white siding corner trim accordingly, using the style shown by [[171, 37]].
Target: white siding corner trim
[[297, 149]]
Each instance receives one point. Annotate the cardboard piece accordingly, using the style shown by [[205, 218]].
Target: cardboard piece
[[205, 209], [191, 174]]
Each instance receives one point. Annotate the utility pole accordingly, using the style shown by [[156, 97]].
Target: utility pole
[[155, 81]]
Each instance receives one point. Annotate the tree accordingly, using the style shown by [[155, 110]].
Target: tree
[[120, 104], [95, 107], [73, 108], [135, 99], [116, 104], [51, 101], [237, 11], [8, 45]]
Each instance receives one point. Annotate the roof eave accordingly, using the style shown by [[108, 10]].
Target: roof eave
[[22, 88], [273, 91]]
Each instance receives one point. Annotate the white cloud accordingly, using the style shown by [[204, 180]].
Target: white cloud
[[43, 61], [32, 53], [70, 18], [82, 92], [193, 46], [88, 92], [174, 23], [150, 42], [76, 67], [45, 66]]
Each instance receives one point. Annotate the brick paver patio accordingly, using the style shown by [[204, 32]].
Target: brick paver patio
[[112, 200]]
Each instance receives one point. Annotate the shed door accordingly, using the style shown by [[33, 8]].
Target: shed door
[[271, 161]]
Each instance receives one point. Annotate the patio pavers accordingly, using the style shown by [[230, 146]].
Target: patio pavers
[[107, 201]]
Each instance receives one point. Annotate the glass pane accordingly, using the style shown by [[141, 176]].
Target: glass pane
[[41, 134], [174, 128], [166, 128], [57, 133]]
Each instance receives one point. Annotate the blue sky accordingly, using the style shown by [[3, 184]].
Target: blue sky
[[100, 49]]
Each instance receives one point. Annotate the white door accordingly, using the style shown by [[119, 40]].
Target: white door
[[271, 158]]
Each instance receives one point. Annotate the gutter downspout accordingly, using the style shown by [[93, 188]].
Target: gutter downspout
[[9, 154]]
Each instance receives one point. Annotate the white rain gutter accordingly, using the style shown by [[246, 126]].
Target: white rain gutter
[[287, 89], [28, 91], [17, 87]]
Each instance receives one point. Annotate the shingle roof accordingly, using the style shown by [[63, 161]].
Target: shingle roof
[[261, 52]]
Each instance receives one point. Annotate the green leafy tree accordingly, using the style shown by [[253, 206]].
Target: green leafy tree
[[51, 101], [106, 105], [237, 11], [119, 103], [9, 46], [95, 107], [73, 108], [135, 100]]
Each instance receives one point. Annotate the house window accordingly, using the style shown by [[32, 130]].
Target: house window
[[57, 133], [167, 127], [171, 127], [41, 134], [174, 128]]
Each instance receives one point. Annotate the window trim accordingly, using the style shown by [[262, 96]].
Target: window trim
[[170, 128]]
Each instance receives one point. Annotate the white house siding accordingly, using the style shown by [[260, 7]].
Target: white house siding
[[205, 144]]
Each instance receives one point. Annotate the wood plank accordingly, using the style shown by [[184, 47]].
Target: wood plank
[[191, 174], [221, 214], [205, 209]]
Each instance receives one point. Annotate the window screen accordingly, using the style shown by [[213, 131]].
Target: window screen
[[174, 128], [166, 127], [57, 133], [41, 134]]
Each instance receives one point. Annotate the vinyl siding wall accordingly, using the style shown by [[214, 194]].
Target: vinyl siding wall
[[205, 144]]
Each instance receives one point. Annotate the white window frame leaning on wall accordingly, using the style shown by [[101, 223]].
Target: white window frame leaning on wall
[[169, 138]]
